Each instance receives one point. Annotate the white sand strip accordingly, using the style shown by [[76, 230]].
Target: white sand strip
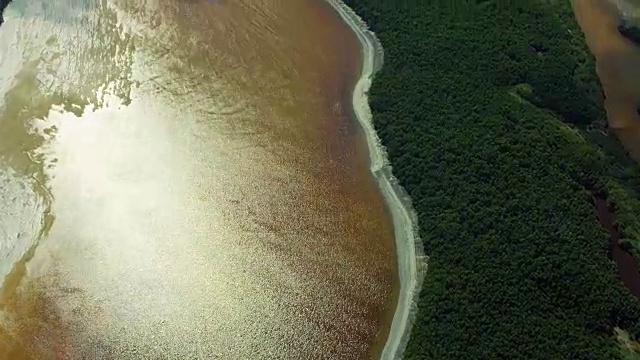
[[412, 263]]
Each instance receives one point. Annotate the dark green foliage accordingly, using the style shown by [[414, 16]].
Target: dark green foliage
[[631, 32], [3, 5], [492, 115]]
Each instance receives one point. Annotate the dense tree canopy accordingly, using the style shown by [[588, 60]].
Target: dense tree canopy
[[492, 115], [3, 5]]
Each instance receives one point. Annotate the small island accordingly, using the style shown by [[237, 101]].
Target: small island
[[630, 31]]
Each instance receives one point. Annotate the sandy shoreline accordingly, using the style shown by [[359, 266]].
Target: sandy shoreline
[[411, 260]]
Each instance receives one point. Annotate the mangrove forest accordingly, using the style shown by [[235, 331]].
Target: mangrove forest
[[492, 115]]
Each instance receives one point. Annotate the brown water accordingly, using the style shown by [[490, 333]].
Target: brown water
[[181, 179], [618, 66], [628, 269]]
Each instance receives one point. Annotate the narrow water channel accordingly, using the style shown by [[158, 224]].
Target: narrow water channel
[[618, 67], [628, 269]]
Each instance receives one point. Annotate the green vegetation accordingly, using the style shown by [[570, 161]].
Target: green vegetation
[[3, 5], [492, 115], [630, 349], [631, 32]]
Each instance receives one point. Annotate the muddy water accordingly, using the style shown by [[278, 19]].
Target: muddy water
[[628, 269], [618, 66], [181, 179]]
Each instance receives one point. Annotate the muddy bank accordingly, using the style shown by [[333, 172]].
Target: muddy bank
[[617, 65], [411, 260]]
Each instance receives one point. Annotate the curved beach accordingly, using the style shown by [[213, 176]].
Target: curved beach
[[411, 260], [191, 114]]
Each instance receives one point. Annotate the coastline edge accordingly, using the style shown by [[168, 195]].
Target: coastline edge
[[412, 262]]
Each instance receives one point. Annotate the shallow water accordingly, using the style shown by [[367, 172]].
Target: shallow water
[[182, 180], [617, 63]]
